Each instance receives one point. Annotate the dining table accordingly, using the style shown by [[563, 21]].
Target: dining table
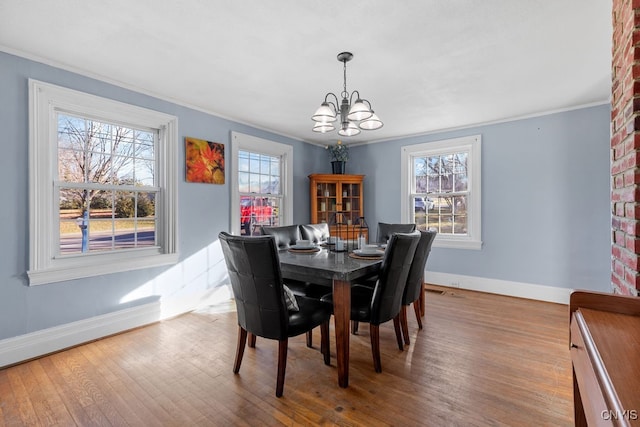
[[338, 270]]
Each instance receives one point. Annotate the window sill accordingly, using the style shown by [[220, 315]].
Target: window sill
[[457, 244], [97, 267]]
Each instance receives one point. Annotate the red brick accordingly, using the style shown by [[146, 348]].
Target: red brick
[[633, 244], [630, 259], [629, 226], [616, 250], [618, 268], [631, 177], [632, 210]]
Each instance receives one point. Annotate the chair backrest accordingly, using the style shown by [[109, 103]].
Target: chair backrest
[[416, 272], [317, 233], [256, 279], [387, 295], [285, 235], [385, 230]]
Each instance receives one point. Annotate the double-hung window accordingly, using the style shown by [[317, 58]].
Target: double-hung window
[[441, 190], [262, 185], [103, 178]]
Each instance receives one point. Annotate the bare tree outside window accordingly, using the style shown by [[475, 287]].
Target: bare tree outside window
[[106, 185], [441, 192]]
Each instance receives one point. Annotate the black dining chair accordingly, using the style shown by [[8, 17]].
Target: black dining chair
[[286, 235], [316, 233], [256, 279], [415, 282], [385, 230], [383, 302]]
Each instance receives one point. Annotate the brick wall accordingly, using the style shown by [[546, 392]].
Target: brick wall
[[625, 147]]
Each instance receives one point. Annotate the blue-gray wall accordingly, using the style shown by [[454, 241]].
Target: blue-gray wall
[[545, 205], [203, 210], [546, 216]]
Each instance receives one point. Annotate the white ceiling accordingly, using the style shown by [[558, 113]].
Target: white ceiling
[[425, 65]]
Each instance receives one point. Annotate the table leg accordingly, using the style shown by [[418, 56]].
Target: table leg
[[342, 316]]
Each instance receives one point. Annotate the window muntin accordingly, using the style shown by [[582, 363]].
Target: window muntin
[[147, 175], [105, 186], [441, 189]]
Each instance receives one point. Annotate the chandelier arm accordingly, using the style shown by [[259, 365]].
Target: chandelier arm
[[334, 105], [351, 98]]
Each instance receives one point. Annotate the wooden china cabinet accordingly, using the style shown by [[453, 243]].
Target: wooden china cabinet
[[338, 198]]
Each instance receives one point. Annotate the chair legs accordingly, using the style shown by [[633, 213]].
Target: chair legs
[[242, 340], [396, 326], [374, 332], [310, 339], [404, 322], [417, 307], [324, 343], [283, 346]]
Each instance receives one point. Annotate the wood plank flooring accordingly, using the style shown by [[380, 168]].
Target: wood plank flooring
[[481, 360]]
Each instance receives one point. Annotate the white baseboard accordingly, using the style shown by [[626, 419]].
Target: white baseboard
[[35, 344], [501, 287]]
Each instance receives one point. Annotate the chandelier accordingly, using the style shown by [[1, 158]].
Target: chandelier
[[354, 116]]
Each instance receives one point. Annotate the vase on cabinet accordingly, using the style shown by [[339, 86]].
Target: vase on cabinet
[[338, 167]]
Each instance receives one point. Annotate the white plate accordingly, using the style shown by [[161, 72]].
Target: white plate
[[302, 247], [360, 253]]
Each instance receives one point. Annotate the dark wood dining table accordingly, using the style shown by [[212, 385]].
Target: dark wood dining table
[[337, 270]]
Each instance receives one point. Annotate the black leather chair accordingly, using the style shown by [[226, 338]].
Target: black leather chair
[[286, 235], [254, 271], [414, 286], [385, 230], [383, 302], [317, 233]]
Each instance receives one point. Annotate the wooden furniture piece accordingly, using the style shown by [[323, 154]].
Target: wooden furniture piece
[[605, 353], [338, 271], [341, 195]]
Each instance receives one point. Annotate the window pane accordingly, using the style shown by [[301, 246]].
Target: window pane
[[243, 182], [144, 172], [243, 161], [258, 211]]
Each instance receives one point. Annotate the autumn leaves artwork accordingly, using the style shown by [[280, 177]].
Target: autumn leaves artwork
[[205, 161]]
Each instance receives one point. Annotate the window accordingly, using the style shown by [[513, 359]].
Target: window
[[262, 185], [441, 190], [103, 179]]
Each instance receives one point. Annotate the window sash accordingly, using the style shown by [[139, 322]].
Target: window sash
[[46, 101], [459, 221]]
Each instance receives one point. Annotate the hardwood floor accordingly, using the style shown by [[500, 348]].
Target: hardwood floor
[[481, 360]]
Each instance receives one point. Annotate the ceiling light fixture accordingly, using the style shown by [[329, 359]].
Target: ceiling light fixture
[[353, 115]]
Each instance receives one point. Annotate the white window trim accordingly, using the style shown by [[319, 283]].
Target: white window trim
[[240, 141], [473, 239], [44, 267]]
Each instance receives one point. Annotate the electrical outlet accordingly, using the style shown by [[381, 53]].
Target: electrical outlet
[[454, 284]]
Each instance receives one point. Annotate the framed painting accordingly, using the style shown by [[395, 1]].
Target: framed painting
[[204, 161]]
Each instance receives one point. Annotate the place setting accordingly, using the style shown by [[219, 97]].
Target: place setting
[[368, 252], [304, 247]]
